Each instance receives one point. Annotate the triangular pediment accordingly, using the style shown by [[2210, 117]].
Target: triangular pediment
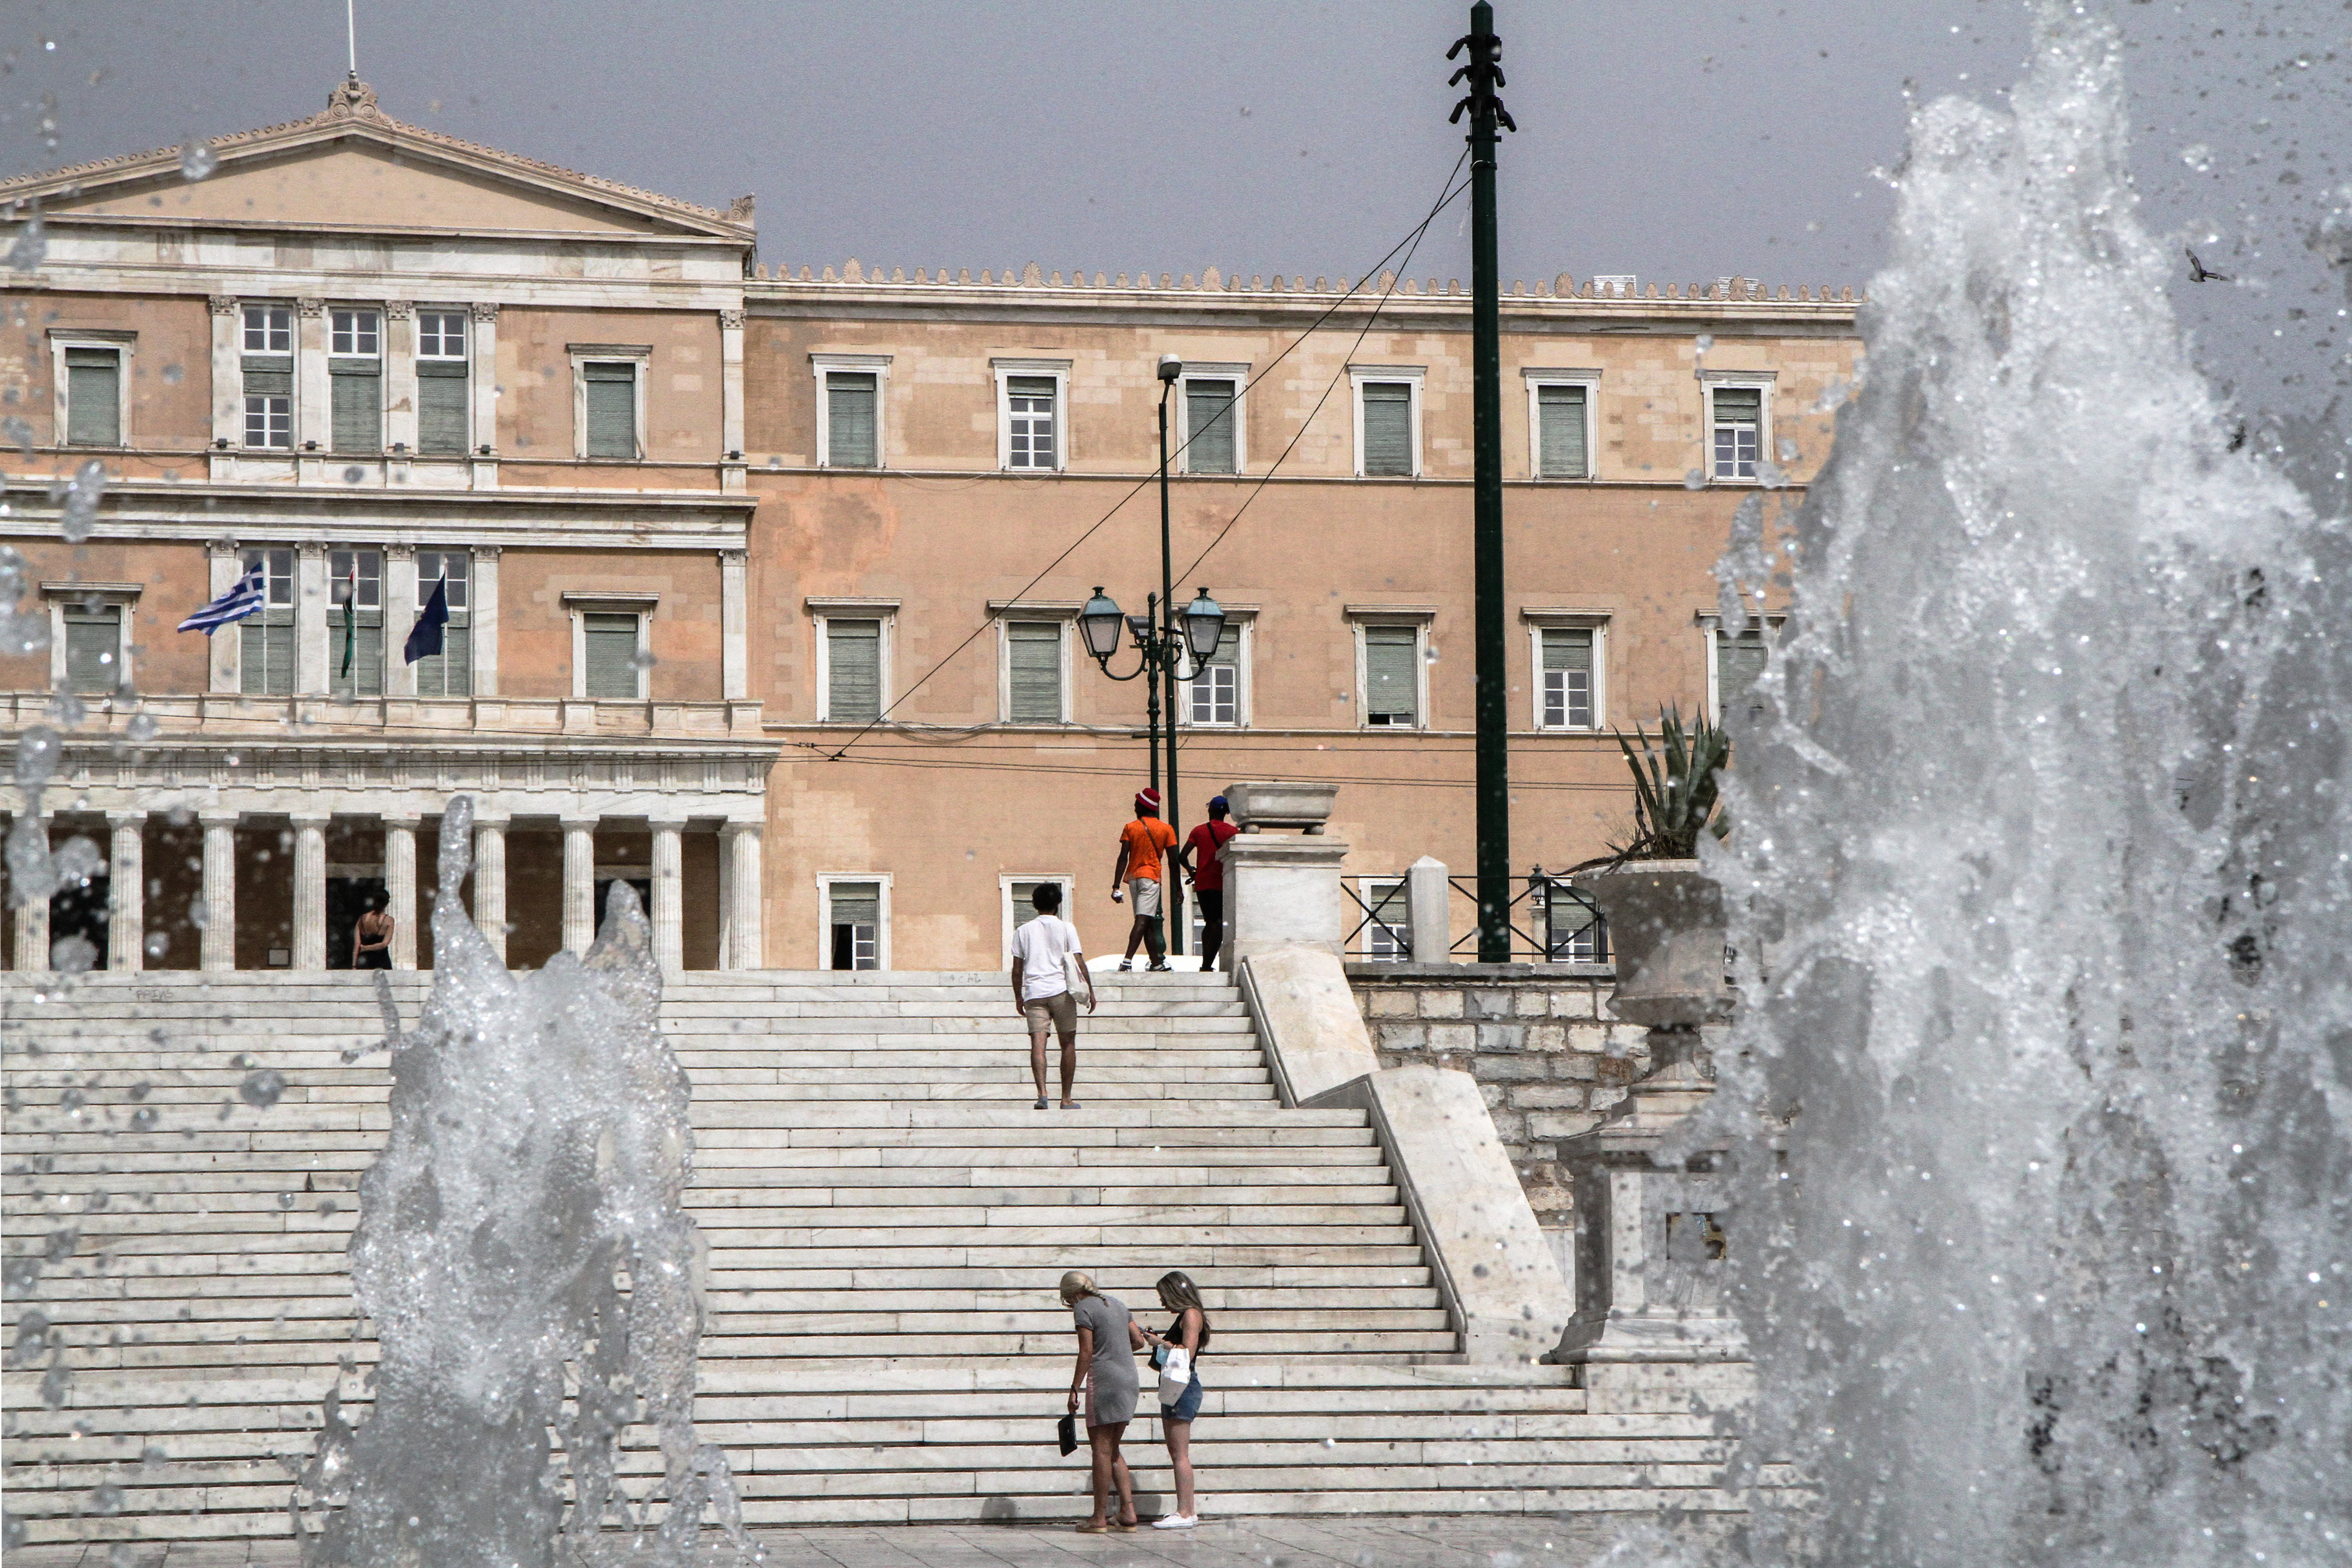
[[355, 168]]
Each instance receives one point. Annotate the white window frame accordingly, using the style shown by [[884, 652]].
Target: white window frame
[[1007, 910], [878, 367], [62, 596], [1539, 621], [582, 355], [1005, 370], [1007, 611], [1366, 888], [293, 327], [355, 312], [580, 605], [821, 610], [125, 345], [1539, 378], [1239, 375], [1714, 381], [1358, 375], [293, 353], [825, 881], [1710, 624], [1419, 617], [380, 356], [464, 330], [1243, 618]]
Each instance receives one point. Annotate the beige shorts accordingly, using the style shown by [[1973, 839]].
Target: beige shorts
[[1143, 896], [1059, 1013]]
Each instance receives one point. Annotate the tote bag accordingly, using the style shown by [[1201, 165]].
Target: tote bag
[[1175, 1374]]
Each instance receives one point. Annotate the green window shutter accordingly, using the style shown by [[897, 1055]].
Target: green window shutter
[[266, 654], [853, 671], [1033, 653], [1738, 405], [1567, 648], [358, 393], [94, 397], [441, 405], [856, 903], [612, 398], [450, 672], [1209, 413], [1559, 413], [270, 376], [1391, 684], [366, 679], [94, 642], [1737, 663], [1388, 428], [612, 655], [850, 429]]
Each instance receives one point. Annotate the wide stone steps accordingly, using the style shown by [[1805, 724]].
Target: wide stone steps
[[886, 1218]]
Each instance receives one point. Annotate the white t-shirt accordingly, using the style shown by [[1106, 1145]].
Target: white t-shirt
[[1039, 945]]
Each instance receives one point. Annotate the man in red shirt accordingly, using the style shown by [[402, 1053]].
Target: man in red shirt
[[1137, 876], [1201, 859]]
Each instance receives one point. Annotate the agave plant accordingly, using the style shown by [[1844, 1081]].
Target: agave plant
[[1674, 796]]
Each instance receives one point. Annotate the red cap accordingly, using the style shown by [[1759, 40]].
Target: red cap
[[1147, 799]]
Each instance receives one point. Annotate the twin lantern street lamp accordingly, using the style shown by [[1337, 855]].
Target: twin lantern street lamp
[[1165, 642]]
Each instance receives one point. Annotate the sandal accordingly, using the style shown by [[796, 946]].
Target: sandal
[[1094, 1530]]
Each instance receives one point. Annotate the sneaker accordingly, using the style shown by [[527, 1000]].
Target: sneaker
[[1039, 1106], [1176, 1521], [1160, 969], [1124, 964]]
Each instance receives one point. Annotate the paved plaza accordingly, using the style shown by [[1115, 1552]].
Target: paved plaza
[[1520, 1541]]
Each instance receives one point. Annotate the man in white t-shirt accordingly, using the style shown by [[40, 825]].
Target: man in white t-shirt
[[1041, 987]]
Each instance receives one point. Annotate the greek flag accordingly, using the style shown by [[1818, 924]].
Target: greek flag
[[248, 595]]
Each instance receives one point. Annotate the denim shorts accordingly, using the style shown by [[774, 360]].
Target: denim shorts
[[1186, 1408]]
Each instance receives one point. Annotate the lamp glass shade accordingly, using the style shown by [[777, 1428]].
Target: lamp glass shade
[[1100, 623], [1204, 624]]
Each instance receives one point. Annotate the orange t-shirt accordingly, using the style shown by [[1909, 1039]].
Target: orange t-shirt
[[1145, 838]]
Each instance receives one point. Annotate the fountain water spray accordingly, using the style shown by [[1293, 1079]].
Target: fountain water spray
[[524, 1260], [2041, 1092]]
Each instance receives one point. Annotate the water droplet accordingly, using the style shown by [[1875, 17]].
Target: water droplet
[[2197, 156], [142, 728], [144, 1118], [197, 160], [643, 658], [32, 1336], [105, 1498], [173, 374], [1706, 341], [1695, 480], [57, 1383], [72, 1100], [353, 474], [261, 1090]]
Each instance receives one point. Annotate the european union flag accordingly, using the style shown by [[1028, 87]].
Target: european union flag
[[425, 638]]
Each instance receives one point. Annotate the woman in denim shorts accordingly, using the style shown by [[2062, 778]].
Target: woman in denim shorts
[[1191, 1330]]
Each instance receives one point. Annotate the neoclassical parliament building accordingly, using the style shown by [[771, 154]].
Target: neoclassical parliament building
[[762, 580]]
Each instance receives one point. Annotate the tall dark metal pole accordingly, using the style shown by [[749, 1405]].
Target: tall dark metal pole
[[1492, 708], [1171, 807], [1151, 688]]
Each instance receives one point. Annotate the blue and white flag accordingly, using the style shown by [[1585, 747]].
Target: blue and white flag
[[249, 593]]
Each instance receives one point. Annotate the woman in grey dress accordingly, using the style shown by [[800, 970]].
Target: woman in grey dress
[[1107, 1341]]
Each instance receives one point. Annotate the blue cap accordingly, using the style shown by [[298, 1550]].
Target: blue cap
[[1217, 802]]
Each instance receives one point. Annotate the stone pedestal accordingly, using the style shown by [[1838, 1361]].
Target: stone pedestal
[[1282, 893], [1652, 1328], [1429, 894]]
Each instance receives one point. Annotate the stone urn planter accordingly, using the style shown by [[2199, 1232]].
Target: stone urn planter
[[1305, 806], [1666, 930]]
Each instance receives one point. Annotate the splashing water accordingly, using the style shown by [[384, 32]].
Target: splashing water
[[2042, 836], [538, 1154]]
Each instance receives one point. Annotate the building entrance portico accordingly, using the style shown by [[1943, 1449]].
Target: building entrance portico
[[229, 856]]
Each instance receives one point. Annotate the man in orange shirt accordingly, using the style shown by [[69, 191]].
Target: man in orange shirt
[[1137, 877]]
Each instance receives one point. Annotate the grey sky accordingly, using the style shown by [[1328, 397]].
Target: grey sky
[[1680, 140]]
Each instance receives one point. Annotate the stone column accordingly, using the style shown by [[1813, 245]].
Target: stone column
[[310, 661], [226, 647], [485, 375], [482, 615], [399, 616], [400, 887], [490, 882], [730, 385], [33, 916], [740, 943], [127, 891], [313, 407], [309, 892], [1429, 898], [669, 913], [399, 376], [228, 374], [579, 912], [217, 947], [734, 640]]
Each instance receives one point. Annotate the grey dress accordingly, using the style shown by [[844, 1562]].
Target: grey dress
[[1111, 1389]]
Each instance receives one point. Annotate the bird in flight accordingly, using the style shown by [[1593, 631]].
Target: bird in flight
[[2198, 273]]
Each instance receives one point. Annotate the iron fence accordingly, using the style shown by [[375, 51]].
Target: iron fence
[[1552, 921]]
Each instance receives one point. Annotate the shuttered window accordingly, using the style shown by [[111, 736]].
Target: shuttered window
[[853, 671], [855, 917], [1215, 692], [1737, 662], [1559, 433], [268, 398], [1567, 678], [1029, 421], [442, 385], [611, 397], [93, 648], [450, 672], [1032, 653], [355, 579], [1391, 680], [94, 397], [265, 638], [1738, 420], [610, 643], [1388, 922], [1209, 413], [1023, 912], [1388, 428], [355, 379], [852, 433]]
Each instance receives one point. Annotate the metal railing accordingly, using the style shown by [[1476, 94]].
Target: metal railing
[[1550, 920]]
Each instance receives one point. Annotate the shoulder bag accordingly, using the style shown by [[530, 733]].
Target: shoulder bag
[[1175, 1374], [1073, 969]]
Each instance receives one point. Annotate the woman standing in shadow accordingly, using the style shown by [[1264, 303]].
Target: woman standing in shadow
[[1107, 1341], [1190, 1331]]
